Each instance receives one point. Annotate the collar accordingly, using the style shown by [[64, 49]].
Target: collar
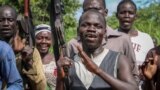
[[112, 33]]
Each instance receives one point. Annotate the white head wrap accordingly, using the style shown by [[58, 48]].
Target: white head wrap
[[41, 28]]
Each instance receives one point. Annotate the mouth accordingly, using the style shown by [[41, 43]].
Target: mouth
[[5, 31], [126, 22], [91, 37], [43, 47]]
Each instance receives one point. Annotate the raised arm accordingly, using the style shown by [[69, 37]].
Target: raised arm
[[150, 69], [125, 79]]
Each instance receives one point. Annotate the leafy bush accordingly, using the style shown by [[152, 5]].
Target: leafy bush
[[40, 13]]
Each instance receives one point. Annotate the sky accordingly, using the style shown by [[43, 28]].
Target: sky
[[112, 5]]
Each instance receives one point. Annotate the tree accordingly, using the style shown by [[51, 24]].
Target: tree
[[40, 13], [148, 21]]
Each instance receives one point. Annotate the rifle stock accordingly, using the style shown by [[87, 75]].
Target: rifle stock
[[57, 27], [26, 26], [58, 34]]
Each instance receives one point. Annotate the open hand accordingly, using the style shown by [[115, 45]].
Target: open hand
[[149, 67], [90, 65], [18, 43]]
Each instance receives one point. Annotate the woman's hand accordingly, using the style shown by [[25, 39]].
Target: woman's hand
[[18, 43], [149, 67]]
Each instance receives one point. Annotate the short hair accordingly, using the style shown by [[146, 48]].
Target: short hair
[[126, 1], [9, 7], [87, 1], [93, 11]]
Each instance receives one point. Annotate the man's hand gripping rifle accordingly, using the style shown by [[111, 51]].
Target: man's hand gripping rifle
[[59, 47]]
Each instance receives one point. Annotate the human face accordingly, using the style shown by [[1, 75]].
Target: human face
[[43, 41], [95, 4], [126, 16], [7, 23], [91, 30]]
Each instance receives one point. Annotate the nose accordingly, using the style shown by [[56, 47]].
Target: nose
[[43, 40], [91, 28], [126, 14], [5, 23]]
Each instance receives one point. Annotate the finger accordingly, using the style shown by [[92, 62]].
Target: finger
[[65, 68], [79, 49], [151, 60], [155, 60], [83, 55], [61, 53], [146, 62], [67, 64], [17, 32]]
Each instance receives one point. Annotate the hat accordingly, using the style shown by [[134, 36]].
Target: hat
[[41, 28]]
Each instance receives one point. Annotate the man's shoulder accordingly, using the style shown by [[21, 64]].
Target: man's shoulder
[[4, 44], [4, 47], [74, 41], [115, 34], [5, 50], [112, 33], [122, 37], [143, 34]]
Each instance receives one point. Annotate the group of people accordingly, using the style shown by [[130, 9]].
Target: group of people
[[99, 58]]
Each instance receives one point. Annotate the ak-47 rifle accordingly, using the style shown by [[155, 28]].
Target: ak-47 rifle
[[57, 26], [26, 25], [58, 33]]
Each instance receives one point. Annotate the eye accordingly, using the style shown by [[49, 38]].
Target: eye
[[84, 25], [131, 12], [98, 26], [48, 38], [122, 12], [38, 38], [11, 19], [1, 19]]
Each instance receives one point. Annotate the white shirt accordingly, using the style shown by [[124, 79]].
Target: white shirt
[[83, 74], [141, 45]]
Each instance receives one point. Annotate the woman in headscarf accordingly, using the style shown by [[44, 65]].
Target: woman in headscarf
[[44, 41]]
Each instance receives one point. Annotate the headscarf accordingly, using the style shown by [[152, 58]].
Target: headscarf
[[41, 28]]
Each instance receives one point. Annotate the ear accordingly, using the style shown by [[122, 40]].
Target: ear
[[106, 12], [105, 29], [116, 15], [78, 31]]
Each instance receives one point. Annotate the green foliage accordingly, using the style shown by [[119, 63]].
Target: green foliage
[[40, 13], [112, 21], [148, 21]]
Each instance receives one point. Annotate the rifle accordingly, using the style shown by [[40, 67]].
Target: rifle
[[58, 34], [25, 24]]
